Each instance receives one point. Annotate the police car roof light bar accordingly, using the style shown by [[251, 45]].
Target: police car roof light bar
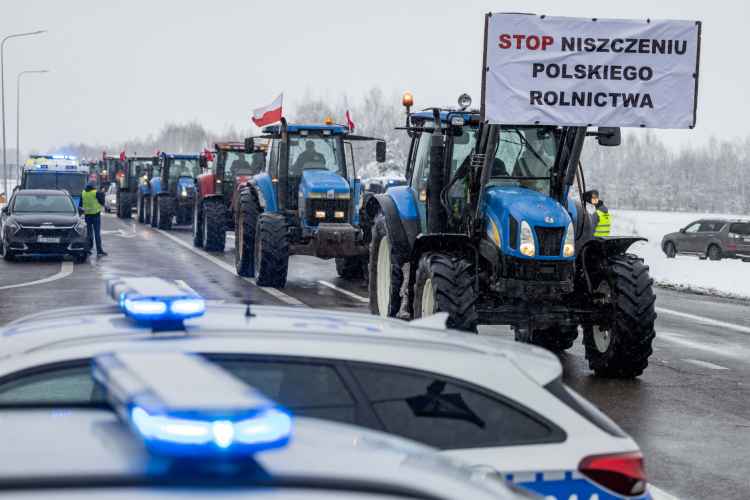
[[157, 301], [182, 405]]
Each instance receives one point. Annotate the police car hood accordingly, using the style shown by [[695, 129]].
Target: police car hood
[[84, 447], [39, 219], [322, 181]]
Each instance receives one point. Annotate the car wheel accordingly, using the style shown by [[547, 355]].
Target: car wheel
[[80, 257], [670, 250], [8, 255], [714, 252]]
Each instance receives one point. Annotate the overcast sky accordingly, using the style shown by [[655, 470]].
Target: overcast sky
[[121, 69]]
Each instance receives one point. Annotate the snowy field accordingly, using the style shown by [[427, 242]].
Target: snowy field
[[727, 277]]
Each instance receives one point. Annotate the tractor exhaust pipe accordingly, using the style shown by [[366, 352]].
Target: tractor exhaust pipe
[[283, 166], [575, 156], [435, 181], [493, 134]]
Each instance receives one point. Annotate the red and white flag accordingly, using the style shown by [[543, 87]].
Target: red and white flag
[[206, 152], [122, 155], [268, 114], [349, 122]]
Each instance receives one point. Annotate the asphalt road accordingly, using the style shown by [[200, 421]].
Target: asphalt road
[[690, 411]]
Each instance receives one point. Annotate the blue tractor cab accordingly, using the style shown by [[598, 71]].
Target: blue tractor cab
[[305, 202], [490, 230], [172, 191]]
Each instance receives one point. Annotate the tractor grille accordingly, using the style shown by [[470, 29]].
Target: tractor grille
[[28, 232], [513, 240], [329, 207], [550, 240]]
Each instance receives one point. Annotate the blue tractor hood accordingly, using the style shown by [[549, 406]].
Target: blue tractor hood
[[187, 183], [322, 181], [522, 204]]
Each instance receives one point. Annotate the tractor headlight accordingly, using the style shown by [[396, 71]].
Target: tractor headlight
[[80, 227], [183, 192], [320, 214], [527, 246], [569, 247], [339, 215]]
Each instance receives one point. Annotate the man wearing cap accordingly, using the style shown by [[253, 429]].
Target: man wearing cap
[[601, 218], [92, 202]]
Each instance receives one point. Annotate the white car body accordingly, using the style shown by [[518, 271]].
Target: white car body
[[516, 372], [110, 198]]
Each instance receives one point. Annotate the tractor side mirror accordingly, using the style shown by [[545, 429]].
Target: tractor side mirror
[[380, 151], [249, 145], [608, 136], [591, 197], [203, 162]]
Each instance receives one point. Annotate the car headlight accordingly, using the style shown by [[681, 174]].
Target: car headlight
[[80, 227], [14, 226], [527, 246], [569, 247]]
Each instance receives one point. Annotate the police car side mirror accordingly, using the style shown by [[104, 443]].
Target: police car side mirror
[[249, 145], [380, 151], [608, 136]]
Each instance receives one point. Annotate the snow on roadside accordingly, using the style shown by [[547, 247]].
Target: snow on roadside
[[725, 278]]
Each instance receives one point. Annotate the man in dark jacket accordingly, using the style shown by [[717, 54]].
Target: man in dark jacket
[[92, 202]]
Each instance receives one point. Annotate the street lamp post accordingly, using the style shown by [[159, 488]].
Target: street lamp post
[[18, 109], [2, 86]]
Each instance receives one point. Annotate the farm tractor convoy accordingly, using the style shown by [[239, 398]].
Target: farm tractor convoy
[[127, 188], [488, 230]]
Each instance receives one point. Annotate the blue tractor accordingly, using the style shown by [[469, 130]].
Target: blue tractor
[[305, 202], [489, 231], [171, 193]]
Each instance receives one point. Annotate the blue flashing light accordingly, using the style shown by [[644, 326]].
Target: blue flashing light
[[155, 299], [390, 181]]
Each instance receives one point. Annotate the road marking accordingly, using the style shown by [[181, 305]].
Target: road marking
[[659, 494], [721, 351], [190, 289], [273, 291], [119, 232], [66, 270], [345, 292], [705, 364], [707, 321]]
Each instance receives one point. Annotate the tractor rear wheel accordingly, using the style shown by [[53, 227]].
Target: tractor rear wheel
[[214, 233], [248, 212], [386, 276], [197, 217], [350, 268], [555, 338], [151, 211], [127, 209], [445, 283], [140, 211], [624, 287], [164, 213], [271, 250]]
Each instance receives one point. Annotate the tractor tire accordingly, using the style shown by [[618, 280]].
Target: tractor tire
[[670, 250], [445, 283], [350, 268], [214, 233], [556, 338], [142, 210], [164, 213], [623, 350], [151, 211], [714, 252], [386, 276], [127, 210], [271, 250], [248, 212], [197, 224]]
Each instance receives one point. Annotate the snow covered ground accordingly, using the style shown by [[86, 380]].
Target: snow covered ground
[[727, 277]]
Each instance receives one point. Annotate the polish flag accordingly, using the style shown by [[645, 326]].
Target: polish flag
[[206, 152], [122, 155], [348, 115], [104, 155], [268, 114]]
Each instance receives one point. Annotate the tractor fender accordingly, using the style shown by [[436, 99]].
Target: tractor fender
[[399, 208], [265, 186], [206, 182], [397, 235], [259, 195], [602, 248]]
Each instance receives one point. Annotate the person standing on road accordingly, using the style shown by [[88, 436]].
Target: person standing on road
[[92, 202], [600, 218]]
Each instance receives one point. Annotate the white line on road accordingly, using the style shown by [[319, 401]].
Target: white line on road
[[273, 291], [706, 321], [679, 339], [705, 364], [66, 270], [345, 292], [190, 289], [659, 494]]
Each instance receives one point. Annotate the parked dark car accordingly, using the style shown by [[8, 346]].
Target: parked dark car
[[40, 221], [715, 239]]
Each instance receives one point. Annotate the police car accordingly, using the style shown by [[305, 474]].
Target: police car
[[55, 172], [157, 420], [480, 400]]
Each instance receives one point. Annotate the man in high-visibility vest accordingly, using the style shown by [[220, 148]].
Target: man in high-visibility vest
[[92, 202], [600, 218]]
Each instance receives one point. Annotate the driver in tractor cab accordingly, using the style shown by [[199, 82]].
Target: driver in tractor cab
[[309, 155], [534, 162], [240, 165]]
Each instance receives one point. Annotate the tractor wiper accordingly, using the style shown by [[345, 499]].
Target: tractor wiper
[[529, 148]]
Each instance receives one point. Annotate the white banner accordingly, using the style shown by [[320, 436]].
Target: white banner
[[600, 72]]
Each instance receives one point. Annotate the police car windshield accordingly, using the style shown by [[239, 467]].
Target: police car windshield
[[40, 203], [524, 157], [72, 183], [316, 152]]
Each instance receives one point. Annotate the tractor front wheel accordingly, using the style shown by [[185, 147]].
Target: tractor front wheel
[[624, 289], [555, 338], [164, 213], [197, 217], [151, 217], [445, 283], [271, 250], [248, 212], [350, 268], [386, 277], [214, 233]]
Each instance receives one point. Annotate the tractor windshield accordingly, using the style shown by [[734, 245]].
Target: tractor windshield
[[239, 163], [135, 166], [524, 157], [316, 151], [183, 167]]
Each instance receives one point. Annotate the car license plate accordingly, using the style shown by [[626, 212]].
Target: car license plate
[[43, 239], [746, 240]]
